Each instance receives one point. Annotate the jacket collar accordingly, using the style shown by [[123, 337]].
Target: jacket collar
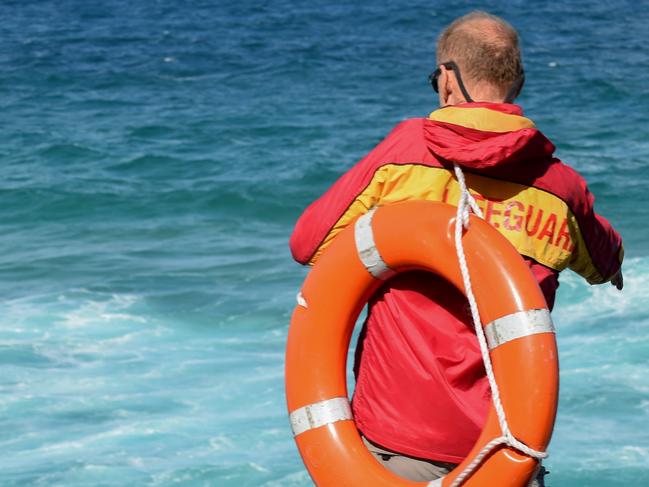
[[489, 117]]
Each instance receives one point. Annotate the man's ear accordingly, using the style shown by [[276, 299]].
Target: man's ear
[[444, 85]]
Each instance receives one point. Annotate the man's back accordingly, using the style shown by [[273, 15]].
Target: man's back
[[421, 388]]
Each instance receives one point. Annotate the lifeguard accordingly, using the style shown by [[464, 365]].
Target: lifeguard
[[421, 396]]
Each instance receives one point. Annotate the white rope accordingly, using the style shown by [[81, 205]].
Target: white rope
[[462, 221]]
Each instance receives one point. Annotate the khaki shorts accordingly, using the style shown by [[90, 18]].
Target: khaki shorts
[[420, 470], [406, 467]]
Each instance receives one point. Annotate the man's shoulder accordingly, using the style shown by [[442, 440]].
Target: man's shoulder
[[408, 127], [405, 142], [564, 181]]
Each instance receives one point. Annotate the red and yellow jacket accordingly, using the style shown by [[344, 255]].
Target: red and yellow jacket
[[421, 388]]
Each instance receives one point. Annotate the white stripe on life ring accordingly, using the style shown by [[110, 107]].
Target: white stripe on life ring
[[366, 247], [518, 325], [320, 414]]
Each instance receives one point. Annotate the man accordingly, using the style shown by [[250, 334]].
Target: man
[[421, 393]]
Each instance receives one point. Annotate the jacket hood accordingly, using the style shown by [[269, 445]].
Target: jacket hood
[[483, 135]]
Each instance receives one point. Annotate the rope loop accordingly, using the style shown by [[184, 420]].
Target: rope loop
[[467, 203]]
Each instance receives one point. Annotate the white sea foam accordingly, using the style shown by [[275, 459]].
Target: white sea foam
[[221, 442], [258, 468], [101, 312], [136, 462], [644, 405], [578, 302], [299, 478]]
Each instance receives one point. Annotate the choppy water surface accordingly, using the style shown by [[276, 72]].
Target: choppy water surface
[[155, 156]]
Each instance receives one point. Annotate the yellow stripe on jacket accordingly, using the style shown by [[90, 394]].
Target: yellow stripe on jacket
[[539, 224]]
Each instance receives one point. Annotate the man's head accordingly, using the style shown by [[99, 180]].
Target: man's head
[[485, 50]]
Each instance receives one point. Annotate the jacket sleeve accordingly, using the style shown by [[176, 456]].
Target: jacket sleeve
[[601, 253], [355, 193]]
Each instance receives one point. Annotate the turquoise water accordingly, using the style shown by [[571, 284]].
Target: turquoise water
[[155, 156]]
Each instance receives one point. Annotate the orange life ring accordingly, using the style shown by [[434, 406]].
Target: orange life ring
[[396, 238]]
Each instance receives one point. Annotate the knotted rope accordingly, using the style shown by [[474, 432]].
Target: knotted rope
[[467, 202]]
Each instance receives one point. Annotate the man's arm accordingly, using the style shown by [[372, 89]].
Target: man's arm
[[328, 215], [599, 257]]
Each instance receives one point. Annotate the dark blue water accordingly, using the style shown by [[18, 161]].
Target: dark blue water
[[155, 156]]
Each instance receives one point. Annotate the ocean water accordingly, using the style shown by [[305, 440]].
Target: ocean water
[[155, 156]]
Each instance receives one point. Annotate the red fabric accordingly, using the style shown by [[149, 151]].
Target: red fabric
[[421, 388]]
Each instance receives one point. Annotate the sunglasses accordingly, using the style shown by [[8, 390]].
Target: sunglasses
[[434, 77]]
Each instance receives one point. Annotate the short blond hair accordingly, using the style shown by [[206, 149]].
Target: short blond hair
[[484, 46]]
